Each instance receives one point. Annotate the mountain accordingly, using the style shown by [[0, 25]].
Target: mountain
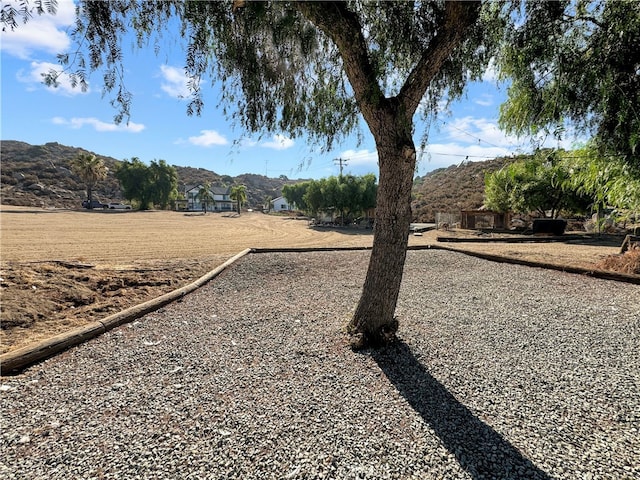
[[451, 189], [40, 175]]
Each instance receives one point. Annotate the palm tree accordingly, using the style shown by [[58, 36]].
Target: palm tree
[[204, 194], [239, 194], [91, 170], [267, 202]]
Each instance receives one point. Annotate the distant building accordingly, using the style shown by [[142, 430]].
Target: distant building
[[219, 201], [280, 204]]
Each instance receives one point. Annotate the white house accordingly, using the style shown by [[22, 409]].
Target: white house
[[280, 204], [219, 199]]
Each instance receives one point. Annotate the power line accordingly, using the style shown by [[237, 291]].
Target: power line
[[342, 162], [480, 140]]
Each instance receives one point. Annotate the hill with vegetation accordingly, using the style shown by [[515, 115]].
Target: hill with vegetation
[[451, 189], [40, 176]]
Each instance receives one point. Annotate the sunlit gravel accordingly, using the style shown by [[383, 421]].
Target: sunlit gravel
[[501, 371]]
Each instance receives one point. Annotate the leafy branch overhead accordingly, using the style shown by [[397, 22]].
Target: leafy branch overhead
[[579, 67]]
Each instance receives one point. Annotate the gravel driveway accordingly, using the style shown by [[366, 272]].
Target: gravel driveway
[[501, 371]]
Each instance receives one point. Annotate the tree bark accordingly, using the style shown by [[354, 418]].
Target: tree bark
[[391, 123], [374, 323]]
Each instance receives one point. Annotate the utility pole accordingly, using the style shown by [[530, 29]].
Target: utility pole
[[342, 162]]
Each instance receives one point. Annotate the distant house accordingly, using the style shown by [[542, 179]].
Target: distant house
[[219, 201], [280, 204]]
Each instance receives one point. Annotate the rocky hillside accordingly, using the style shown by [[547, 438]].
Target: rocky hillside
[[40, 176], [451, 189]]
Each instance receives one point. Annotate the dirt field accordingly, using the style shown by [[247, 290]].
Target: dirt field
[[61, 269]]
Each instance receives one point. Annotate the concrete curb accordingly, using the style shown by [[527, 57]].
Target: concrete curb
[[16, 360]]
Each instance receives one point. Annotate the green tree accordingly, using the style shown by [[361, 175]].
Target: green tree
[[239, 194], [581, 65], [318, 68], [163, 183], [91, 170], [369, 191], [134, 179], [498, 189], [347, 194], [313, 198], [155, 184], [607, 182], [267, 202], [294, 193], [541, 184]]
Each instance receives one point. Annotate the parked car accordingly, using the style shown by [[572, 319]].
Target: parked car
[[119, 206], [94, 204]]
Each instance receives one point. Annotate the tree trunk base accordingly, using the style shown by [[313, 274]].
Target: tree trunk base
[[360, 339]]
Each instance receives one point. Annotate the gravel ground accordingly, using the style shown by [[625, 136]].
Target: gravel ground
[[501, 371]]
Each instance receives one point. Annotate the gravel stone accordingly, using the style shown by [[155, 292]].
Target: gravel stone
[[500, 372]]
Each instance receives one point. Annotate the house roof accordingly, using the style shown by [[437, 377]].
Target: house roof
[[214, 190]]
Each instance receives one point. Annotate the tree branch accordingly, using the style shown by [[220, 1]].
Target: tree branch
[[458, 17], [342, 26]]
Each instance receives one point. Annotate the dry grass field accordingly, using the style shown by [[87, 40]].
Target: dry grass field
[[62, 268]]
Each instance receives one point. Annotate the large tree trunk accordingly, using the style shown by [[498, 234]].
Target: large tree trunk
[[374, 322], [391, 122]]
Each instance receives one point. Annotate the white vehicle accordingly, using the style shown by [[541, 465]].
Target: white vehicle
[[119, 206]]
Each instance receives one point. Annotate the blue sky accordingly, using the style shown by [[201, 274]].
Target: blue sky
[[159, 127]]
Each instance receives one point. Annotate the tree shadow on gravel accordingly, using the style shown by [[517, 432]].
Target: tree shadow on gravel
[[479, 449]]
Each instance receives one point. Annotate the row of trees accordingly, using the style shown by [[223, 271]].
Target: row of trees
[[150, 185], [347, 195], [555, 181]]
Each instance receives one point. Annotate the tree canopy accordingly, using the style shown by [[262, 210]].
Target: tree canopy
[[91, 170], [542, 184], [574, 182], [582, 65], [346, 195], [154, 184], [239, 194]]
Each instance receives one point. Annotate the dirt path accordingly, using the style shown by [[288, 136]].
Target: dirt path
[[61, 268]]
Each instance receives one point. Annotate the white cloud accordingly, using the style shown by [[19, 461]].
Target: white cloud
[[279, 142], [360, 158], [34, 78], [98, 125], [175, 82], [208, 138], [42, 33], [491, 73], [484, 100]]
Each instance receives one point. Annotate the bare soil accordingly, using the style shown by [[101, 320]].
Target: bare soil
[[62, 268]]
